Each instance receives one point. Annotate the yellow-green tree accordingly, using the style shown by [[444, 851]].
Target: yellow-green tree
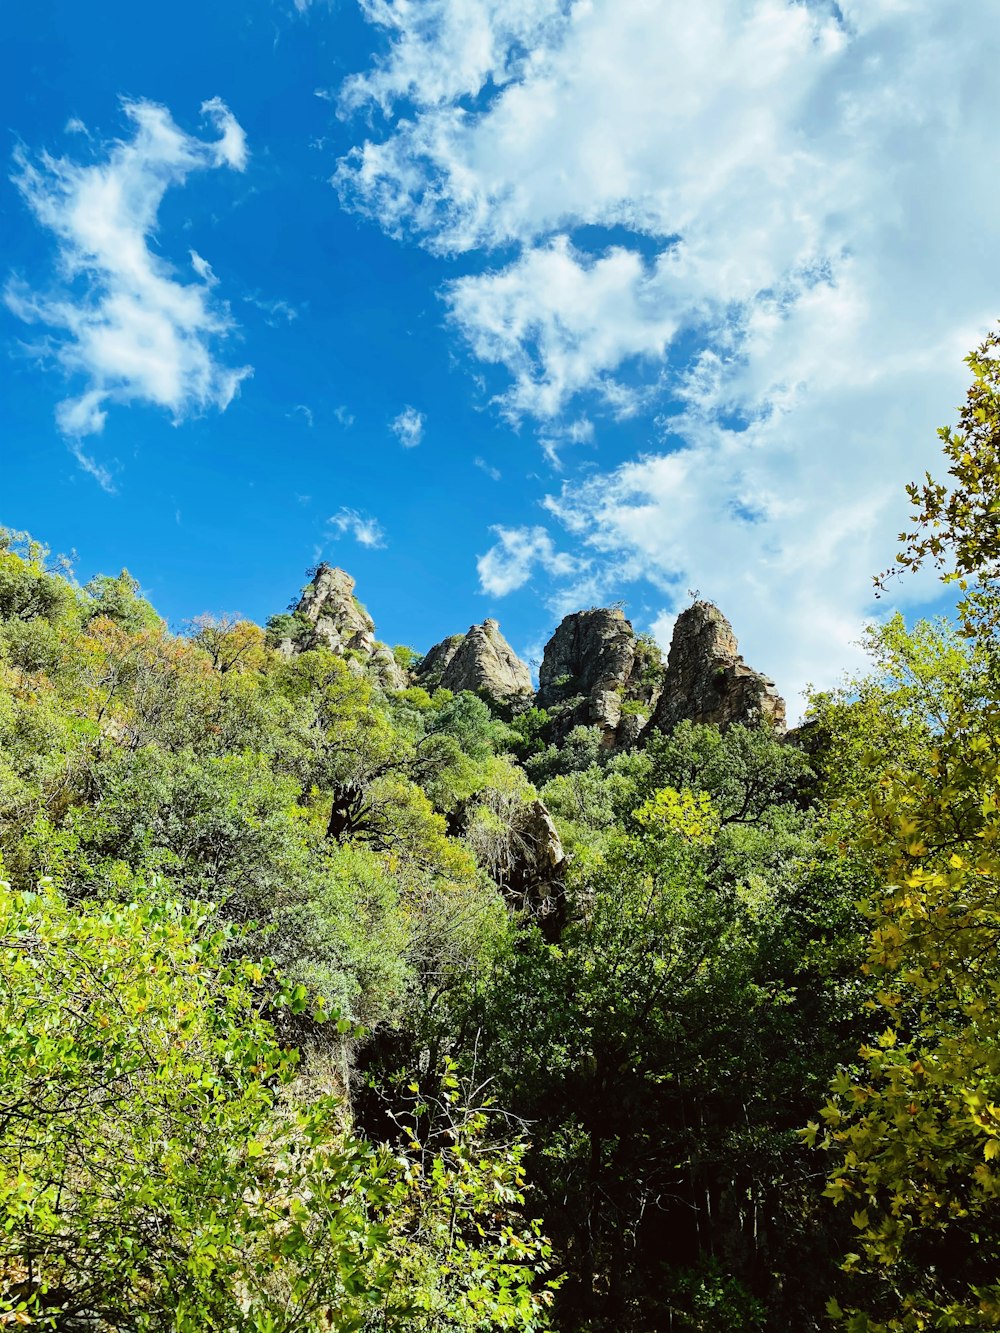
[[914, 1128]]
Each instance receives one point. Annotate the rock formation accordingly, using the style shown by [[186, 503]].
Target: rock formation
[[708, 681], [339, 622], [481, 661], [596, 673], [515, 838], [539, 866]]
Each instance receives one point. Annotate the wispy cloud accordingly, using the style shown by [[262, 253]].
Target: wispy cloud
[[493, 473], [366, 530], [276, 311], [517, 552], [203, 269], [559, 435], [92, 467], [408, 427], [232, 147], [305, 412], [127, 322], [344, 417]]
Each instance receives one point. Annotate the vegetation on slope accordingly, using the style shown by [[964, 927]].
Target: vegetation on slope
[[281, 1049]]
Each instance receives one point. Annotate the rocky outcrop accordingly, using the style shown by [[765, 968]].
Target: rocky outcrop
[[596, 672], [481, 661], [330, 616], [539, 867], [708, 681], [515, 838]]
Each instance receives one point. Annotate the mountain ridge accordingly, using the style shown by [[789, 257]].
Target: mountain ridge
[[596, 671]]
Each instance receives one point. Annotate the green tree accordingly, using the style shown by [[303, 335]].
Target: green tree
[[666, 1044], [158, 1170]]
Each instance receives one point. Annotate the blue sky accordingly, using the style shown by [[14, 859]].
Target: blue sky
[[506, 306]]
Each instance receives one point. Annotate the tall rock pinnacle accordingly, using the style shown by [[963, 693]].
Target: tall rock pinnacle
[[708, 681], [339, 622], [597, 673], [481, 661]]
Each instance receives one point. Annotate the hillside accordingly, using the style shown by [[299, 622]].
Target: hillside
[[346, 987]]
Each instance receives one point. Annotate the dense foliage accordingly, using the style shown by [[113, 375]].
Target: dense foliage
[[294, 1037]]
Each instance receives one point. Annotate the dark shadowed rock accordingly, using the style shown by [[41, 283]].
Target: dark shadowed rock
[[481, 661], [708, 681], [539, 867], [516, 840], [339, 622], [596, 673]]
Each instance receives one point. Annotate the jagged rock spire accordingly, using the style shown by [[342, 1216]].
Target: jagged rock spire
[[596, 672], [708, 681], [480, 660], [342, 624]]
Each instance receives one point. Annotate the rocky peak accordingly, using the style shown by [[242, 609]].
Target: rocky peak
[[480, 660], [338, 618], [708, 681], [596, 672], [339, 622]]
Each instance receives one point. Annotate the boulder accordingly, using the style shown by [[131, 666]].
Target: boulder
[[540, 864], [515, 839]]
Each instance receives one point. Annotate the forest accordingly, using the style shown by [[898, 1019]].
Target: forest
[[290, 1042]]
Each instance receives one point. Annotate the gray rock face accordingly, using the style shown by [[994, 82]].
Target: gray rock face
[[596, 673], [341, 624], [481, 661], [708, 681]]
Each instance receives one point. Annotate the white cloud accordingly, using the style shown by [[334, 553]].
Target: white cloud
[[589, 114], [127, 323], [557, 435], [306, 411], [767, 218], [408, 427], [276, 311], [561, 323], [231, 149], [365, 530], [441, 50], [492, 472], [203, 269], [511, 561], [90, 465], [344, 417]]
